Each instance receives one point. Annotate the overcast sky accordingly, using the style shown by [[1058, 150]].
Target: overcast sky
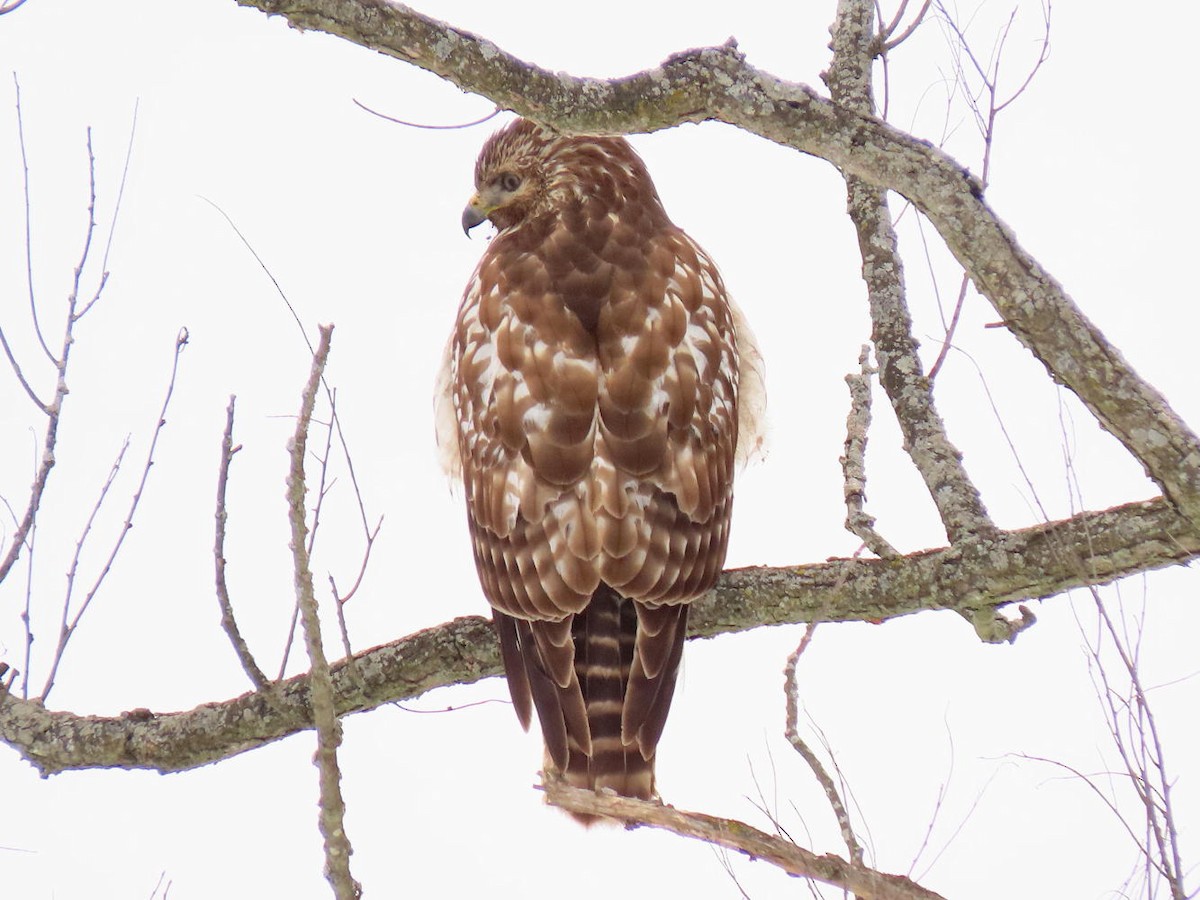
[[358, 220]]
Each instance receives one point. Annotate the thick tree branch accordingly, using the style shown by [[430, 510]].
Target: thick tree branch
[[1092, 548], [717, 83], [900, 371]]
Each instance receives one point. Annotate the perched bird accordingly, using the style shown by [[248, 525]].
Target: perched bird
[[598, 390]]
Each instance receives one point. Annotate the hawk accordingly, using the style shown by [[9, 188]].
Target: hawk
[[598, 390]]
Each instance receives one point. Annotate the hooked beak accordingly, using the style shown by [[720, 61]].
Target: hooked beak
[[475, 214]]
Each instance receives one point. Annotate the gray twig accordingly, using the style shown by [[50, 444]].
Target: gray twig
[[321, 694], [53, 409], [112, 225], [792, 733], [33, 312], [228, 622], [369, 534], [67, 628], [737, 835], [990, 78]]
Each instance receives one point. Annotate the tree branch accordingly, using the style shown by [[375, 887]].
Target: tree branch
[[791, 731], [854, 463], [865, 883], [228, 621], [900, 371], [716, 83], [1092, 548], [325, 719]]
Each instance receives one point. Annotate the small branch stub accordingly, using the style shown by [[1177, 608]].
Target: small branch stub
[[854, 466]]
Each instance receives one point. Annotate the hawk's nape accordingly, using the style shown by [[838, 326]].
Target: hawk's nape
[[599, 387]]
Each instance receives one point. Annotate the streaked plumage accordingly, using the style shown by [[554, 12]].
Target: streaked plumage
[[598, 389]]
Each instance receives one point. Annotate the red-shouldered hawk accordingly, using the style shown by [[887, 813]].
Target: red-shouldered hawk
[[598, 389]]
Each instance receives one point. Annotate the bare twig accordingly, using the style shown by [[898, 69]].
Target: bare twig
[[451, 709], [166, 889], [986, 121], [343, 630], [329, 730], [26, 610], [21, 376], [76, 283], [886, 30], [989, 74], [322, 490], [228, 622], [371, 534], [1090, 781], [1130, 719], [770, 809], [495, 112], [287, 644], [362, 569], [885, 36], [966, 817], [323, 484], [739, 836], [854, 467], [53, 410], [943, 789], [1134, 731], [724, 861], [884, 43], [112, 225], [67, 629], [37, 328], [73, 569], [336, 423], [10, 6], [951, 328], [792, 733], [8, 352], [262, 265]]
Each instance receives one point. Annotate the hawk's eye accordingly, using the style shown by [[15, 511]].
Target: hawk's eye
[[509, 182]]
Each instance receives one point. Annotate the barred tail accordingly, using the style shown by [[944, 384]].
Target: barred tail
[[601, 683], [605, 634]]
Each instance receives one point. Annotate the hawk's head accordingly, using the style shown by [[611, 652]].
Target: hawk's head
[[526, 171]]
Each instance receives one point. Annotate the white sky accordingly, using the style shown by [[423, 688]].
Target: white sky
[[358, 220]]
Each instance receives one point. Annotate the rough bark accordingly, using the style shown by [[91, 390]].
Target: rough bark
[[974, 580], [900, 370]]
